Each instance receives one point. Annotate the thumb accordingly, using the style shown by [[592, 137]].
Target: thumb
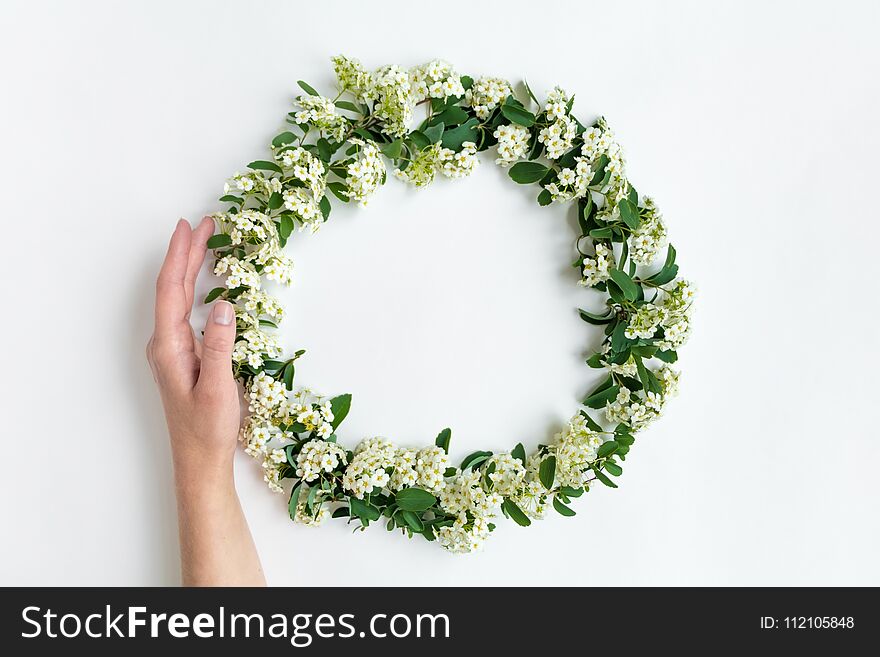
[[217, 345]]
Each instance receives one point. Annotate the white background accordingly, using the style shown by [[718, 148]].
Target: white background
[[753, 124]]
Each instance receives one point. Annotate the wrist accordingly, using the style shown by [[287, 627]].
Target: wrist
[[203, 472]]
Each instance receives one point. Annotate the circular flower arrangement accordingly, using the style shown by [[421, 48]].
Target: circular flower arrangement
[[336, 147]]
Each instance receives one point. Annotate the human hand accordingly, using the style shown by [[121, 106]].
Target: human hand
[[195, 379]]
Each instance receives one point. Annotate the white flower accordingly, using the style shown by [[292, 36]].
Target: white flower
[[486, 94], [365, 173], [513, 143], [320, 113], [650, 237], [597, 269], [316, 457]]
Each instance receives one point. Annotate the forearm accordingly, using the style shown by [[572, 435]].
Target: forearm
[[216, 547]]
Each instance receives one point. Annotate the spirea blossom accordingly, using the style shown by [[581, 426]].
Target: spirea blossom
[[390, 88], [320, 113], [650, 237], [558, 136], [486, 94], [436, 79], [366, 173], [351, 75], [597, 269], [513, 143], [316, 457]]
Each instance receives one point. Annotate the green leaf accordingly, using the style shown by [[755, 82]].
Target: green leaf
[[629, 213], [545, 198], [454, 138], [283, 139], [531, 95], [307, 88], [570, 491], [287, 375], [514, 111], [219, 240], [646, 376], [325, 206], [363, 510], [326, 149], [669, 270], [285, 227], [515, 513], [346, 105], [547, 472], [667, 356], [339, 190], [265, 166], [562, 509], [434, 133], [340, 406], [607, 449], [598, 399], [229, 198], [213, 294], [419, 140], [593, 318], [604, 479], [602, 233], [625, 283], [392, 150], [595, 361], [443, 438], [275, 201], [527, 172], [452, 115], [473, 460], [600, 169], [293, 501], [613, 468], [310, 500], [414, 522], [519, 453], [414, 499]]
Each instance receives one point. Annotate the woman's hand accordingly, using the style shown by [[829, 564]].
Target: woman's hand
[[195, 378], [202, 410]]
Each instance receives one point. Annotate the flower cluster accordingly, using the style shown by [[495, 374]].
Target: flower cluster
[[303, 167], [320, 113], [596, 269], [486, 94], [460, 164], [422, 170], [351, 75], [575, 449], [317, 457], [365, 173], [558, 136], [380, 464], [436, 79], [513, 143], [650, 237], [671, 312], [390, 88]]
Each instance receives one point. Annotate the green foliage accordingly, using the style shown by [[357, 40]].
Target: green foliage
[[414, 499]]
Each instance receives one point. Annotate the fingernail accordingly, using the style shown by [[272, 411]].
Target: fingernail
[[206, 220], [223, 313], [181, 222]]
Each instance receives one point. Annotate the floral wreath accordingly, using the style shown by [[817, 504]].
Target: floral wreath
[[338, 147]]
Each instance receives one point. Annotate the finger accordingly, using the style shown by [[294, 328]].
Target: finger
[[171, 308], [197, 249], [217, 346]]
